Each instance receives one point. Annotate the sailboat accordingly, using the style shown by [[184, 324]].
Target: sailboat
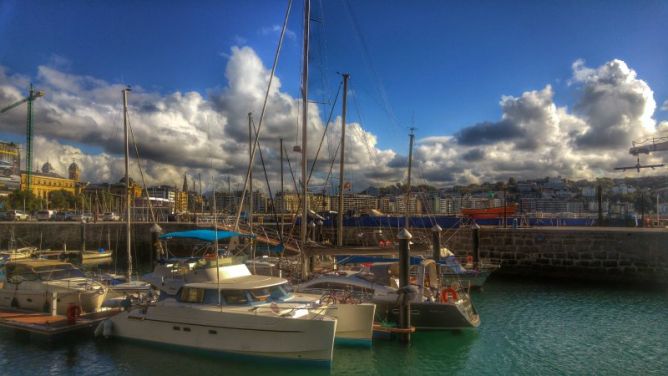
[[236, 315]]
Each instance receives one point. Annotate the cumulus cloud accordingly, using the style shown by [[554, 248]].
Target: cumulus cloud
[[535, 137], [80, 119], [664, 107], [177, 132]]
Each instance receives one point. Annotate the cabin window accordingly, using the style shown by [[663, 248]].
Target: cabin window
[[191, 295], [234, 297], [211, 297]]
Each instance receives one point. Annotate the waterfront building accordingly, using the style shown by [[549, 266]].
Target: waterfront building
[[48, 181], [354, 202], [288, 202], [10, 162], [180, 201]]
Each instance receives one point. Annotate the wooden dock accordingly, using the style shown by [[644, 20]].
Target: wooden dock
[[48, 325]]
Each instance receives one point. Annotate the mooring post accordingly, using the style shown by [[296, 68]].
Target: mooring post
[[404, 238], [83, 235], [156, 245], [54, 303], [476, 245], [436, 242]]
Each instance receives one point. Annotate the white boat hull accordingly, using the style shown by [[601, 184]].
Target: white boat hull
[[230, 332]]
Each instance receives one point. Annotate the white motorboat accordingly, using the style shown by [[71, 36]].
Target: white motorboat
[[433, 304], [235, 318], [32, 284]]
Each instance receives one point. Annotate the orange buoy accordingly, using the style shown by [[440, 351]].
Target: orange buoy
[[73, 311], [447, 292]]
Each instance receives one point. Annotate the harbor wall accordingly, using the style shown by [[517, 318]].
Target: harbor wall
[[635, 255], [107, 235], [585, 253]]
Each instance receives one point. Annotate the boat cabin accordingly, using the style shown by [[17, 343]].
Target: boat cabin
[[40, 270], [247, 290]]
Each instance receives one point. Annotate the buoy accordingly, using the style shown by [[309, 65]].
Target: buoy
[[73, 311], [447, 292]]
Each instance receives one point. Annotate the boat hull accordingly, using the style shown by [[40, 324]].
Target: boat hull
[[272, 337], [40, 300]]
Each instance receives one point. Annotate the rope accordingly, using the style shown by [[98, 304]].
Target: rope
[[264, 108], [324, 133]]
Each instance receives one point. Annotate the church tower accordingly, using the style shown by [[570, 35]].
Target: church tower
[[74, 172]]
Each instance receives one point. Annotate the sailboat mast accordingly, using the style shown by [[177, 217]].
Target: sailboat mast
[[282, 192], [128, 243], [307, 26], [339, 221], [250, 175], [408, 189]]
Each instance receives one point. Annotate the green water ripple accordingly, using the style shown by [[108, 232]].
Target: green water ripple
[[528, 328]]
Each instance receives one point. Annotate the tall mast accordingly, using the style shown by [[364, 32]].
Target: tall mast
[[307, 26], [250, 175], [282, 192], [128, 243], [408, 189], [31, 96], [339, 221]]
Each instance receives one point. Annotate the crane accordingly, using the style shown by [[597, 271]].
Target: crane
[[32, 95], [646, 147]]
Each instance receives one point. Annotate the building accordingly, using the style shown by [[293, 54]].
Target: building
[[48, 181], [353, 202], [10, 162], [181, 202], [288, 202]]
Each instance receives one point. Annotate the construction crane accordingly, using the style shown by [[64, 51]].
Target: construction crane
[[646, 147], [32, 95]]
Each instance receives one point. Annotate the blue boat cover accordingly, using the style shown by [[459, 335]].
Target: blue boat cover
[[205, 235]]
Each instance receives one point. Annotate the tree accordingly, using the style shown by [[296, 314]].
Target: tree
[[21, 200], [61, 199]]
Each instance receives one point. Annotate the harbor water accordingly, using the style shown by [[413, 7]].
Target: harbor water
[[528, 328]]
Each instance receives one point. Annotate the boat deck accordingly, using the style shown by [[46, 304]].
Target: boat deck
[[48, 325]]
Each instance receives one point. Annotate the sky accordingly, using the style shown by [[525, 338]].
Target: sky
[[525, 89]]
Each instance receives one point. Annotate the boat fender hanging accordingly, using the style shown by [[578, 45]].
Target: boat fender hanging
[[469, 259], [447, 292], [73, 311], [107, 328]]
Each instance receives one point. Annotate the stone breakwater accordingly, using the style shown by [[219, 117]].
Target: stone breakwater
[[635, 255], [586, 253]]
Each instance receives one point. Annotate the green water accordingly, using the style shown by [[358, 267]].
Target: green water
[[528, 328]]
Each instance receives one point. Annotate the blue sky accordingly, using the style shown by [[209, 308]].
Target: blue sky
[[443, 66]]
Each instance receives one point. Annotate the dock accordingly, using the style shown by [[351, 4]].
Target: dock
[[47, 325]]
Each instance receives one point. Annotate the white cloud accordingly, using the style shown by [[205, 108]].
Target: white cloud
[[276, 29], [187, 132], [664, 107]]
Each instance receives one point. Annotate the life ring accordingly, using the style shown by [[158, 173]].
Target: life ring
[[447, 292], [73, 311]]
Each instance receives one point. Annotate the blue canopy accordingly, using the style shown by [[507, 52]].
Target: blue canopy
[[206, 235]]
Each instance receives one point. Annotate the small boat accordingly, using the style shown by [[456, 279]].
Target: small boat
[[17, 254], [235, 317], [434, 304], [473, 275], [32, 284], [493, 212]]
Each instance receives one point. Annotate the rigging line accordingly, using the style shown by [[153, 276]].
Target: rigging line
[[324, 133], [266, 178], [294, 181], [264, 108], [367, 60], [371, 151], [141, 172]]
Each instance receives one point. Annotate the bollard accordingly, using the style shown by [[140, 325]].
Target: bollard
[[436, 243], [156, 245], [54, 303], [404, 238], [83, 236], [476, 245]]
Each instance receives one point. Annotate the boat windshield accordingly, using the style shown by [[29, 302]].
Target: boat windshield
[[235, 297]]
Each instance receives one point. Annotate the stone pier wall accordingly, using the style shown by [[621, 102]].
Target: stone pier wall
[[586, 253], [589, 253]]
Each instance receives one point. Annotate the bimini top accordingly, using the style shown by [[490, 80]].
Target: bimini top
[[205, 235]]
